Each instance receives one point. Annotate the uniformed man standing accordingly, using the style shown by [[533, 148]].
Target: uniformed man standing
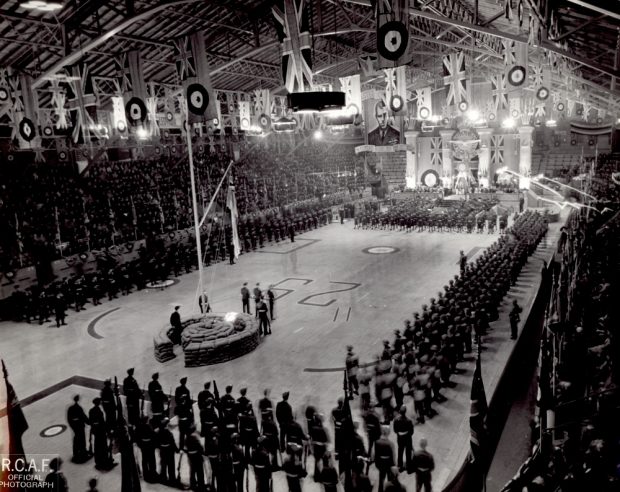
[[265, 406], [258, 295], [271, 297], [78, 421], [167, 451], [184, 412], [204, 395], [158, 400], [177, 327], [424, 464], [146, 440], [195, 454], [384, 456], [295, 471], [248, 430], [245, 298], [103, 461], [462, 261], [108, 402], [262, 467], [284, 415], [264, 326], [132, 393], [515, 317], [352, 364], [403, 428]]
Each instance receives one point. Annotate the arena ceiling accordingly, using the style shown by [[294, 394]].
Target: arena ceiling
[[244, 53]]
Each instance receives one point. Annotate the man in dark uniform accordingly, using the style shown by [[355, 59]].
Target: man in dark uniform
[[424, 464], [384, 456], [108, 402], [239, 463], [262, 467], [284, 415], [248, 430], [270, 433], [177, 327], [103, 460], [243, 401], [158, 400], [78, 421], [338, 418], [195, 454], [167, 451], [55, 480], [183, 411], [146, 440], [265, 406], [320, 440], [258, 295], [245, 298], [272, 300], [403, 428], [264, 326], [132, 393], [295, 471], [462, 261], [204, 395], [60, 308], [352, 364], [372, 423], [515, 317], [212, 450], [231, 252]]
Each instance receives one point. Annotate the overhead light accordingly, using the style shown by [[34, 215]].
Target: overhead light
[[551, 123], [473, 114], [318, 135], [142, 134], [509, 123], [41, 5]]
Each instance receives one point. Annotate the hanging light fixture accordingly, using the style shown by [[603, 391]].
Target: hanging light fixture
[[41, 5]]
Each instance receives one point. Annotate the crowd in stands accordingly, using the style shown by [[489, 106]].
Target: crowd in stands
[[48, 211], [429, 212], [580, 448]]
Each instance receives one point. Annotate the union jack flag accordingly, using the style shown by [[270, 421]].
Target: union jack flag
[[455, 78], [186, 66], [498, 91], [436, 152], [497, 149], [291, 18]]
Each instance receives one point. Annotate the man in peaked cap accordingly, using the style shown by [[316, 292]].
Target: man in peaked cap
[[132, 393]]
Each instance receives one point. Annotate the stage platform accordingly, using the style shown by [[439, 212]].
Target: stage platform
[[336, 286]]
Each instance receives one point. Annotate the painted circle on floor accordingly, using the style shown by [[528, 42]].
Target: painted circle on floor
[[381, 250], [162, 284], [53, 430]]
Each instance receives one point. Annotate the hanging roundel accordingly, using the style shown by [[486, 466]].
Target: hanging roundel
[[491, 116], [445, 121], [216, 122], [169, 116], [245, 123], [514, 113], [516, 75], [560, 106], [573, 141], [135, 110], [392, 40], [121, 126], [430, 178], [353, 109], [463, 106], [62, 155], [48, 131], [397, 104], [591, 142], [599, 120], [27, 129], [424, 113], [4, 95], [264, 121], [10, 157], [542, 94], [197, 99]]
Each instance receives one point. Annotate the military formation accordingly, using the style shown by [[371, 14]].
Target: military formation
[[431, 213]]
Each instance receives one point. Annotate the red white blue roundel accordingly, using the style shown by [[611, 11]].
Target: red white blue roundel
[[48, 131], [463, 106], [353, 109], [396, 103], [514, 113], [169, 116], [121, 126], [216, 121], [245, 123], [27, 129], [4, 95], [62, 155], [445, 121], [392, 40], [430, 178], [264, 121], [491, 116], [560, 106], [197, 99], [516, 75], [135, 110], [424, 113], [542, 94]]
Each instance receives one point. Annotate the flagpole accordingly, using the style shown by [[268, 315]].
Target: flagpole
[[190, 156], [206, 213]]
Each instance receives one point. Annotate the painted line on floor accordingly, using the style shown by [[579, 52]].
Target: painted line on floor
[[335, 369], [349, 313], [298, 329], [91, 326], [336, 315]]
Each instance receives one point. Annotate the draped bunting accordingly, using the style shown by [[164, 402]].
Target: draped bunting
[[351, 86]]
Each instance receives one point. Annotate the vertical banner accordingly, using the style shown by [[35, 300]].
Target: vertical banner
[[455, 78], [262, 109], [393, 33], [381, 129], [396, 90], [515, 62], [424, 103], [245, 116], [351, 86], [292, 26]]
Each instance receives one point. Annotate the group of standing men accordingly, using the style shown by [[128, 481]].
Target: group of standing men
[[263, 311]]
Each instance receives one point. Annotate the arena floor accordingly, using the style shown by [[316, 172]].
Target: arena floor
[[334, 289]]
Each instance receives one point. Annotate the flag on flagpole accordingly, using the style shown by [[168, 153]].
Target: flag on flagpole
[[12, 428], [231, 203], [478, 413]]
